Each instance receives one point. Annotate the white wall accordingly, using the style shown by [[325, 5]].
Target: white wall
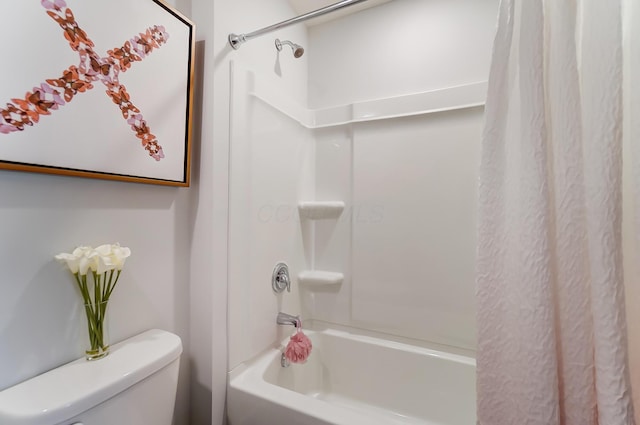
[[206, 310], [407, 242], [167, 282], [44, 215]]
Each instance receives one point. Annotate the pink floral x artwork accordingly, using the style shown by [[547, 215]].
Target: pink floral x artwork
[[49, 96]]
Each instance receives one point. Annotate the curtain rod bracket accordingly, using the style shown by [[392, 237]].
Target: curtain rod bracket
[[236, 40]]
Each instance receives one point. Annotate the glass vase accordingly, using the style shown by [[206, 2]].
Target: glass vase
[[97, 330]]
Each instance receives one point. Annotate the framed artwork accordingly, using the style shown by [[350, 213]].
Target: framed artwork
[[100, 88]]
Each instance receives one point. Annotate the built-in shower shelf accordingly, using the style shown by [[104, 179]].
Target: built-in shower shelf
[[320, 278], [320, 210]]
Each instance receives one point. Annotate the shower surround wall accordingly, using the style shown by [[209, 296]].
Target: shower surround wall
[[407, 242], [267, 164], [410, 226], [406, 239], [231, 316], [271, 169]]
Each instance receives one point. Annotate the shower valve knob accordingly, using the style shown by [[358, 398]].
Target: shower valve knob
[[280, 279]]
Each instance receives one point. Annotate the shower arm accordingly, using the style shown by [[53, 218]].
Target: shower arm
[[236, 40]]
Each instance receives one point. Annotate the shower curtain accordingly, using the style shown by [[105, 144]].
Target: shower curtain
[[552, 343]]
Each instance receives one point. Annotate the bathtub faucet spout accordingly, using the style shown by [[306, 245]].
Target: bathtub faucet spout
[[287, 319]]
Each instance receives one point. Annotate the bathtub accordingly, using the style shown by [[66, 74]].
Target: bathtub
[[353, 379]]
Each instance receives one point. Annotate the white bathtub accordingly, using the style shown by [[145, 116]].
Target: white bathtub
[[352, 379]]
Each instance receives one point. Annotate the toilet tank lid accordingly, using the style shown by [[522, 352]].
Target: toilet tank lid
[[71, 389]]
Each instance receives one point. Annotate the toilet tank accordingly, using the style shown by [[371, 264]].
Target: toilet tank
[[134, 385]]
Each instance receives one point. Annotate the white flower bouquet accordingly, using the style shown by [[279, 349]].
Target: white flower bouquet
[[104, 264]]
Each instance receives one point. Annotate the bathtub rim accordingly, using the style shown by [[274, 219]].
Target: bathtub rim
[[462, 355], [320, 325], [249, 376]]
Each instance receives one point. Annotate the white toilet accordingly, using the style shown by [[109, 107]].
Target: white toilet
[[134, 385]]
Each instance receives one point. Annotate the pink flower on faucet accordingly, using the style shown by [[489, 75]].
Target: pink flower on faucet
[[298, 348]]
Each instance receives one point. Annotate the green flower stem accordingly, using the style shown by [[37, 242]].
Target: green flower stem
[[96, 308], [82, 284], [114, 283], [108, 286]]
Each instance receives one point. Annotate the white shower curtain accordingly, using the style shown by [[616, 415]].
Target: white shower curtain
[[632, 145], [552, 343]]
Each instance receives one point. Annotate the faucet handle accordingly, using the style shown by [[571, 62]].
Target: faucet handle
[[280, 278]]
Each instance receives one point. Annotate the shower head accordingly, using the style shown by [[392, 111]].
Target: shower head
[[298, 50]]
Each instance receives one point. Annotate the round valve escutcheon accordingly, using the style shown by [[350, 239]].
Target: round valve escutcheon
[[280, 279]]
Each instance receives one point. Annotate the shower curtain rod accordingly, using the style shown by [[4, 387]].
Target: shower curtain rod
[[236, 40]]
